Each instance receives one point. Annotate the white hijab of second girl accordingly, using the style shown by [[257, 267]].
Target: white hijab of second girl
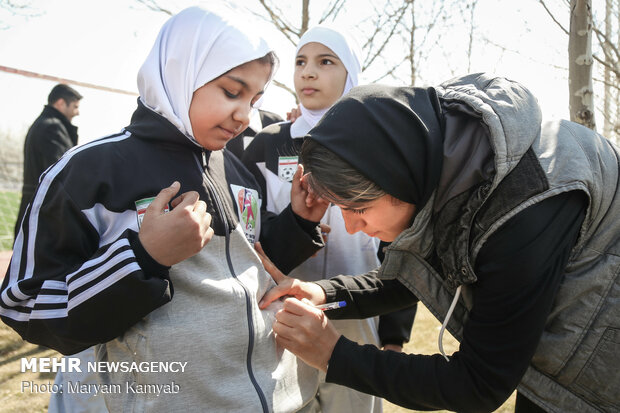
[[194, 47], [347, 51]]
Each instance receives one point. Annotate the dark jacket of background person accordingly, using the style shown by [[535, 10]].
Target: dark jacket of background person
[[49, 137], [238, 144]]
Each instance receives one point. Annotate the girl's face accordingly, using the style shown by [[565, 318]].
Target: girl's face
[[384, 218], [319, 77], [220, 109]]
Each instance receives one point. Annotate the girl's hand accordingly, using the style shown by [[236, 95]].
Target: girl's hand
[[287, 286], [172, 237]]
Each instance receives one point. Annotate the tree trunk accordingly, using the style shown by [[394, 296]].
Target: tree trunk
[[412, 62], [305, 16], [581, 99], [608, 94], [617, 119]]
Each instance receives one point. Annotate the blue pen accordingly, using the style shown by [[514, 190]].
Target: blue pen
[[332, 306]]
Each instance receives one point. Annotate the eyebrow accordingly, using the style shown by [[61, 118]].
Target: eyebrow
[[243, 83], [321, 55]]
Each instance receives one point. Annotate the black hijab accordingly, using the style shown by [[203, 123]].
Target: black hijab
[[392, 135]]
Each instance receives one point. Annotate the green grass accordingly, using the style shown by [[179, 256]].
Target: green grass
[[9, 205]]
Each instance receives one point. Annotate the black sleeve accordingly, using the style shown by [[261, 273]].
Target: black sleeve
[[366, 295], [287, 239], [65, 291], [519, 270], [395, 327]]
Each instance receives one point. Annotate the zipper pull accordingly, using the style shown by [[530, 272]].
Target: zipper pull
[[204, 160]]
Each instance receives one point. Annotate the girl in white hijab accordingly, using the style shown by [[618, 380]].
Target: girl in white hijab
[[146, 277], [345, 49], [327, 66]]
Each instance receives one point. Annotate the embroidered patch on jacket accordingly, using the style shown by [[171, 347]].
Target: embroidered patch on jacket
[[248, 210], [287, 165], [142, 205]]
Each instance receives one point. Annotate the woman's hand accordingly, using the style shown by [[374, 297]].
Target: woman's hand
[[393, 347], [303, 201], [287, 286], [306, 332]]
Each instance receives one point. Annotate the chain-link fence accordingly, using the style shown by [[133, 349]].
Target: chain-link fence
[[11, 166]]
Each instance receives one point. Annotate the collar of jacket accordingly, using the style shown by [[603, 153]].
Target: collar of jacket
[[51, 112], [147, 124]]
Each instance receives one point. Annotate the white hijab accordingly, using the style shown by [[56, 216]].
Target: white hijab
[[192, 48], [347, 51]]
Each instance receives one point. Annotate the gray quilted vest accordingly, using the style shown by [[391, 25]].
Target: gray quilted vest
[[577, 363]]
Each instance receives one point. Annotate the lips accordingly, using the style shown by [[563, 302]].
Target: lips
[[308, 90], [229, 134]]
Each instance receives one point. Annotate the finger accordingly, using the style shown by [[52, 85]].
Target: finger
[[164, 196], [270, 267], [288, 319], [299, 173], [188, 200], [207, 236], [274, 294], [299, 308], [307, 302], [200, 207], [176, 201], [325, 229], [207, 219], [281, 338]]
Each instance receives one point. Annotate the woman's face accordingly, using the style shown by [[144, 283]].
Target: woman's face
[[384, 218], [319, 77], [220, 109]]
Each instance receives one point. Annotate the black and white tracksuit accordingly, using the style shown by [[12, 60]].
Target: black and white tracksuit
[[79, 275]]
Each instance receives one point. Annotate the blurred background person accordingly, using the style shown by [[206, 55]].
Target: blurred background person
[[49, 137]]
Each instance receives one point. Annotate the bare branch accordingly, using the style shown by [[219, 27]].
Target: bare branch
[[505, 49], [284, 27], [288, 89], [391, 71], [332, 11], [613, 67], [542, 2], [606, 45], [603, 82], [371, 58], [22, 8], [153, 5]]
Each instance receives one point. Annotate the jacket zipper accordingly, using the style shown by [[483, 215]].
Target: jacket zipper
[[220, 209]]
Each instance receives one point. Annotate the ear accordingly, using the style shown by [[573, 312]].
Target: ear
[[60, 105]]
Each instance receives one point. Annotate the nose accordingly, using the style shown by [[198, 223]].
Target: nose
[[353, 223], [242, 115], [308, 72]]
